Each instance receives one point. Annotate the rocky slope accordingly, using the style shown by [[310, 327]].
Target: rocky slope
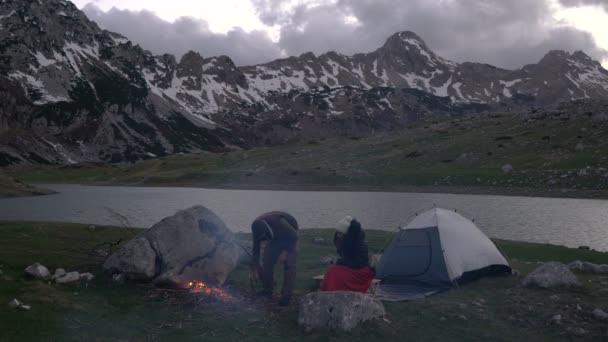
[[70, 91]]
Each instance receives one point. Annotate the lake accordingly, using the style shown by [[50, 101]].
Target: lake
[[569, 222]]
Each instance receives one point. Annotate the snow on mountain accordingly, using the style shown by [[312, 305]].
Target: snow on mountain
[[93, 95]]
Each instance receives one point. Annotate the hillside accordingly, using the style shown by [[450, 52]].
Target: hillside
[[558, 153], [71, 92]]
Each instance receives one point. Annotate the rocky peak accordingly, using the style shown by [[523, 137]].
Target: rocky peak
[[308, 56], [191, 66], [223, 70]]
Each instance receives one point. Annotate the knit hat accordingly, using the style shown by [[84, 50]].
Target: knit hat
[[343, 224]]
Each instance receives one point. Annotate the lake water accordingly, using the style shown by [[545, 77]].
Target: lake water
[[570, 222]]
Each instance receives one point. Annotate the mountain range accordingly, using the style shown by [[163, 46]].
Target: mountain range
[[72, 92]]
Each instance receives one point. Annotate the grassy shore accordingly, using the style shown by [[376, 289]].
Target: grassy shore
[[490, 309], [10, 187], [551, 155]]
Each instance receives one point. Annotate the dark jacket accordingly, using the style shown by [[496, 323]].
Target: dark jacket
[[275, 226], [352, 248]]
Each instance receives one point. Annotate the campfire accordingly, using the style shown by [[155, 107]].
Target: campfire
[[202, 287]]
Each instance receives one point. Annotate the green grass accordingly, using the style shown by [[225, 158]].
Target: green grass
[[104, 310], [467, 152]]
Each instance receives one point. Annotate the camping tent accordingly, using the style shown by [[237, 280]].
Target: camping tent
[[435, 251]]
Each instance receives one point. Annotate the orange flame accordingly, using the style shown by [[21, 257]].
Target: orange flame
[[202, 287]]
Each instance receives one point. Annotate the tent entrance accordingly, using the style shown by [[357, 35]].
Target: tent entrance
[[410, 255]]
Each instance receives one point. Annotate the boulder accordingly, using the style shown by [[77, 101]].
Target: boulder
[[68, 278], [193, 244], [337, 311], [37, 270], [551, 275]]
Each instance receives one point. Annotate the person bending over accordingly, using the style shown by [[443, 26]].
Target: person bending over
[[281, 231]]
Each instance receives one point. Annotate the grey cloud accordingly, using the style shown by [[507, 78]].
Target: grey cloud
[[579, 3], [186, 33], [506, 33]]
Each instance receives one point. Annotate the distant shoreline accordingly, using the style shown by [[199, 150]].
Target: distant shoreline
[[442, 189]]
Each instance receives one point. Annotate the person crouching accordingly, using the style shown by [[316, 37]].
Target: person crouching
[[281, 231], [351, 272]]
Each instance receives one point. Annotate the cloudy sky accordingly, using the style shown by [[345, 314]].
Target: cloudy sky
[[506, 33]]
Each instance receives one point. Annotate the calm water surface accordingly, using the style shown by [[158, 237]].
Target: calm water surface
[[570, 222]]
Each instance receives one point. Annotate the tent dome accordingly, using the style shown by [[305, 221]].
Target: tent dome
[[440, 248]]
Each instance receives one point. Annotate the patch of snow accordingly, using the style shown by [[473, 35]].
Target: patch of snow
[[43, 61], [120, 41], [443, 90], [62, 13], [509, 84], [456, 86]]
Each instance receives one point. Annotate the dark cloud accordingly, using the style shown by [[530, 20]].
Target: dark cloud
[[506, 33], [186, 33], [579, 3]]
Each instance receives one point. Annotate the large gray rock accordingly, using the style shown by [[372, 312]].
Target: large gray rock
[[193, 244], [37, 270], [337, 311], [551, 275]]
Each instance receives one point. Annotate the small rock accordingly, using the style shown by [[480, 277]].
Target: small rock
[[60, 272], [86, 276], [14, 303], [576, 265], [37, 270], [26, 307], [442, 319], [507, 168], [577, 331], [118, 278], [554, 298], [584, 248], [92, 227], [69, 278], [578, 307], [328, 259], [374, 261], [600, 314], [551, 275], [462, 306], [318, 241], [462, 317], [556, 319], [579, 147]]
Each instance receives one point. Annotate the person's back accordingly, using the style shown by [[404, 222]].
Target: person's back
[[351, 272], [281, 230], [353, 248]]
